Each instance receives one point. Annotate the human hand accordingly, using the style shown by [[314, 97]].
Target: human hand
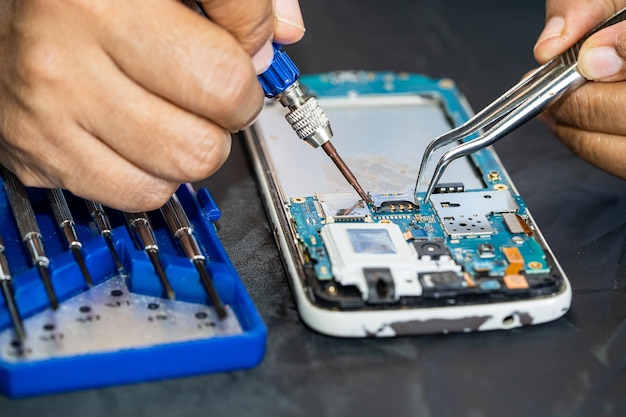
[[120, 102], [591, 120]]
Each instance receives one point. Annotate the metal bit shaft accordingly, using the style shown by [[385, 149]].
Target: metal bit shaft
[[65, 221], [29, 230], [309, 121], [7, 293], [345, 171], [180, 227], [101, 220], [139, 223]]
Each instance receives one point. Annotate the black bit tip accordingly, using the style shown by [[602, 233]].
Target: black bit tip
[[78, 255], [207, 283], [111, 246], [9, 300], [160, 271], [47, 283]]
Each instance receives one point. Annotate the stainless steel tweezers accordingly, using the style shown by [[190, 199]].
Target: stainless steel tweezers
[[518, 105]]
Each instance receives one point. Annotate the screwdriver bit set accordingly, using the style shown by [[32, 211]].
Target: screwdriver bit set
[[93, 297]]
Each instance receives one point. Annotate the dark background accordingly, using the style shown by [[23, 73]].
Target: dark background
[[571, 367]]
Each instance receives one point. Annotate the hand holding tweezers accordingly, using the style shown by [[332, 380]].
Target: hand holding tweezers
[[518, 105]]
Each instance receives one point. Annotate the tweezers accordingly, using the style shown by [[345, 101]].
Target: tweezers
[[515, 107]]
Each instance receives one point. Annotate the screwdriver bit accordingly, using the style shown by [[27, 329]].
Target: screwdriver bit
[[9, 298], [140, 225], [29, 230], [101, 220], [306, 117], [180, 227], [65, 221]]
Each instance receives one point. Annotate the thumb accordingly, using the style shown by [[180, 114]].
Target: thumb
[[602, 56], [567, 21]]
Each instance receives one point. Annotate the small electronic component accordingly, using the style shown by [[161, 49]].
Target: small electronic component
[[396, 206], [515, 282], [342, 208], [416, 234], [465, 214], [358, 251], [486, 250], [446, 280], [515, 259], [393, 203], [515, 223], [431, 249], [451, 187]]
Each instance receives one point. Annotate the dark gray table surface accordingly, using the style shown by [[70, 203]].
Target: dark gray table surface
[[574, 366]]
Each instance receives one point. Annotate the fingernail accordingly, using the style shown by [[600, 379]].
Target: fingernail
[[263, 58], [554, 29], [288, 12], [599, 63]]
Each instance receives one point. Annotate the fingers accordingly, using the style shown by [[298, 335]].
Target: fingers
[[289, 26], [603, 150], [186, 59], [255, 24], [251, 22], [64, 155], [156, 136], [567, 21], [594, 107], [602, 56]]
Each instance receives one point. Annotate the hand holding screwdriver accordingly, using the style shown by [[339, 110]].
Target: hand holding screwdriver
[[158, 78]]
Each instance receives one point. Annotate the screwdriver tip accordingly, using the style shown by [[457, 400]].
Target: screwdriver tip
[[111, 246], [160, 272], [9, 301], [80, 260], [47, 283], [345, 170], [207, 283]]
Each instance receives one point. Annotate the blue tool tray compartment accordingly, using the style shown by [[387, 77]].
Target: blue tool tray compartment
[[122, 330]]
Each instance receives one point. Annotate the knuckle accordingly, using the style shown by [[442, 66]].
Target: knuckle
[[202, 156], [237, 81], [40, 63], [150, 198]]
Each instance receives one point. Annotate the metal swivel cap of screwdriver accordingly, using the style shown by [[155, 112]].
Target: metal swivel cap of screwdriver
[[306, 117]]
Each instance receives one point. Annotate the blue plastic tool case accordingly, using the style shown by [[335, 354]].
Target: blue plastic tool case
[[122, 330]]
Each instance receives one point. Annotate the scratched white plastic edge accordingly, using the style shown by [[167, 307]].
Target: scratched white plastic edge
[[378, 323]]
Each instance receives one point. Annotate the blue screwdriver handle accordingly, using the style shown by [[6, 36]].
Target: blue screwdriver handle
[[280, 75]]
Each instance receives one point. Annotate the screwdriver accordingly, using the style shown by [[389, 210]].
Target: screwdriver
[[139, 223], [101, 220], [29, 230], [9, 298], [65, 221], [306, 117], [179, 225]]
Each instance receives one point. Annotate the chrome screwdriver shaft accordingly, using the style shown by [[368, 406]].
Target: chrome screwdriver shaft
[[140, 225], [180, 227], [101, 220], [65, 221], [29, 230], [7, 293]]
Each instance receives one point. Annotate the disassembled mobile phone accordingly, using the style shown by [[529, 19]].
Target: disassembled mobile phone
[[470, 259]]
